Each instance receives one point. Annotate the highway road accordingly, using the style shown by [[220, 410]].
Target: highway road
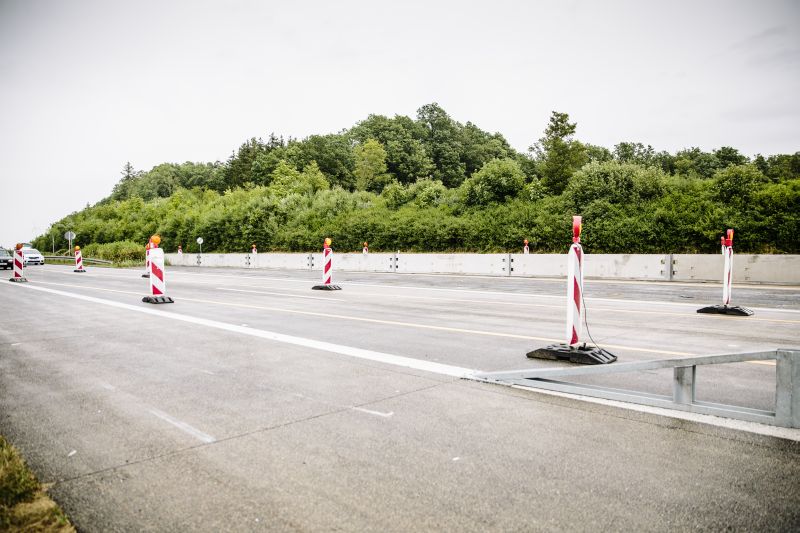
[[254, 403]]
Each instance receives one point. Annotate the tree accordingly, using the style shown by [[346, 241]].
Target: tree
[[727, 156], [558, 154], [122, 190], [239, 168], [370, 168], [332, 153], [406, 157], [442, 143], [497, 181], [736, 184]]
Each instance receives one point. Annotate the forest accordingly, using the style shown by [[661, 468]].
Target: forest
[[433, 184]]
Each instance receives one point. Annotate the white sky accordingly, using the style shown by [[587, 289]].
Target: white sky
[[87, 85]]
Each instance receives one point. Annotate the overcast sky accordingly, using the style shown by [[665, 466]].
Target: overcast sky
[[87, 85]]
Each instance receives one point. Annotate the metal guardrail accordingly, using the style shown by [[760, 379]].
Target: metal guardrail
[[72, 258], [787, 385]]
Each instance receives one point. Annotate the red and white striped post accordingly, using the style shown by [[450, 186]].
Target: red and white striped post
[[147, 260], [327, 268], [78, 260], [574, 285], [727, 269], [19, 265], [525, 249], [726, 242], [158, 282], [573, 350]]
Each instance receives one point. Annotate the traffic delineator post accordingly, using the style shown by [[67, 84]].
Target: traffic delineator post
[[78, 260], [327, 269], [726, 242], [572, 350], [146, 260], [158, 282], [19, 265]]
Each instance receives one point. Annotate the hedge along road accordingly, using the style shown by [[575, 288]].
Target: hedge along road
[[263, 403]]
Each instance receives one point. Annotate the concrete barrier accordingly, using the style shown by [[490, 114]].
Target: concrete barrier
[[784, 269]]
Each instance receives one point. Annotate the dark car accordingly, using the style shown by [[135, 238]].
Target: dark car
[[6, 261]]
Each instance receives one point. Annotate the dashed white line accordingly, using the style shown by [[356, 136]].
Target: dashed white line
[[183, 426]]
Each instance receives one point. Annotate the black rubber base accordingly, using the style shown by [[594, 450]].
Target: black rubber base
[[585, 355], [79, 270], [18, 280], [326, 288], [158, 300], [145, 275], [734, 310]]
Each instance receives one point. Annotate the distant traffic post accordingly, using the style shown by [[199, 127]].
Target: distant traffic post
[[327, 269], [726, 308], [78, 260], [573, 350], [158, 283], [200, 255], [146, 260], [19, 265]]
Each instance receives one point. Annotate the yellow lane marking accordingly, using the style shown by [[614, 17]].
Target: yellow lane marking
[[389, 322]]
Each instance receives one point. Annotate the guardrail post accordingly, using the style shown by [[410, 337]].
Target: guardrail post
[[787, 388], [683, 384]]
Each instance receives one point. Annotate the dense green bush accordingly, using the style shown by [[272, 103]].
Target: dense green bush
[[115, 251], [434, 184]]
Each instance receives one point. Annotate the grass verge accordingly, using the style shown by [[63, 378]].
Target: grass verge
[[24, 504]]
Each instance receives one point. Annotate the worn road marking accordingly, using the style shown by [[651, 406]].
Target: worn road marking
[[371, 412], [277, 294], [373, 320], [391, 359], [183, 426]]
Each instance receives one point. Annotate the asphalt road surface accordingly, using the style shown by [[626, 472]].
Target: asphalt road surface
[[254, 403]]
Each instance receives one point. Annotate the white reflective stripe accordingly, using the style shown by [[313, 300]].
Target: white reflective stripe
[[19, 264], [158, 282], [574, 274], [350, 351]]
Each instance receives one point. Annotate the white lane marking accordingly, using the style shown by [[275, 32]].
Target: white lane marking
[[73, 452], [376, 413], [183, 426], [691, 316], [376, 321], [752, 427], [277, 294], [391, 359], [423, 326], [108, 386], [518, 294], [15, 343], [208, 372]]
